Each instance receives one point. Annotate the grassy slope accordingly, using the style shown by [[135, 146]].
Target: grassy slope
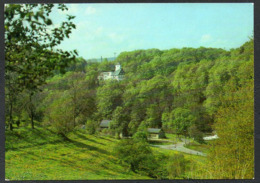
[[41, 155], [195, 161], [199, 147]]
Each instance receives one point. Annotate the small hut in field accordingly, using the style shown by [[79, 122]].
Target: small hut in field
[[104, 124], [156, 133]]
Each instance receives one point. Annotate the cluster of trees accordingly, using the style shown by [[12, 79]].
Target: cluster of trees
[[196, 91], [184, 91], [232, 155], [136, 153], [31, 55]]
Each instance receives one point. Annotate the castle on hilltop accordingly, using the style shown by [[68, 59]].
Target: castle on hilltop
[[118, 74]]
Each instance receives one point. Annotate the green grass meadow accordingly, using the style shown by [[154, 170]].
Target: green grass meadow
[[195, 162], [40, 154]]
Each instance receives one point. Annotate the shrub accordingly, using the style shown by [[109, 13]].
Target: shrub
[[106, 131], [196, 133], [138, 156], [91, 127], [177, 166], [131, 153], [141, 136]]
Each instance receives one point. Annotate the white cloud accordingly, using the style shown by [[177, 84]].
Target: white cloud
[[206, 38], [90, 10], [116, 37], [91, 33], [74, 8], [98, 34]]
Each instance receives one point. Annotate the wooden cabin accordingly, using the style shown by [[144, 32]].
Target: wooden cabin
[[156, 133], [104, 124]]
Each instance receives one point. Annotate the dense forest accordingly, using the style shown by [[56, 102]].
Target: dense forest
[[188, 91]]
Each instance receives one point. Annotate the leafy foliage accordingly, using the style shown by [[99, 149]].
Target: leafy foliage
[[139, 157], [30, 54], [177, 166]]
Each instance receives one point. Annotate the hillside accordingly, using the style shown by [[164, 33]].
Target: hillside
[[189, 92], [40, 154]]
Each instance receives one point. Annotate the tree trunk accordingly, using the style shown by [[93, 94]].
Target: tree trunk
[[31, 110], [11, 114], [132, 167], [74, 120], [74, 114], [74, 107], [32, 123], [11, 126]]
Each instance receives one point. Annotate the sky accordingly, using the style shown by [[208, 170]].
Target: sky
[[106, 29]]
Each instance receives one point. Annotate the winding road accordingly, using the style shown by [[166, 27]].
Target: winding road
[[180, 147]]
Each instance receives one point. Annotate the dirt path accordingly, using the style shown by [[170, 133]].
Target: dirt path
[[180, 147]]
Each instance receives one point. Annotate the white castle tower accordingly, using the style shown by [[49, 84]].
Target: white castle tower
[[118, 67]]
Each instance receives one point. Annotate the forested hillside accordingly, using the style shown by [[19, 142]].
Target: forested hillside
[[180, 90], [184, 91]]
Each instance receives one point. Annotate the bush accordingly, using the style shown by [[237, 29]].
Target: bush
[[106, 131], [91, 127], [132, 153], [81, 119], [25, 117], [154, 166], [138, 156], [196, 134], [177, 166], [141, 136]]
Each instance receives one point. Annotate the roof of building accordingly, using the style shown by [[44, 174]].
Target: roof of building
[[107, 73], [105, 123], [154, 130], [119, 72]]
